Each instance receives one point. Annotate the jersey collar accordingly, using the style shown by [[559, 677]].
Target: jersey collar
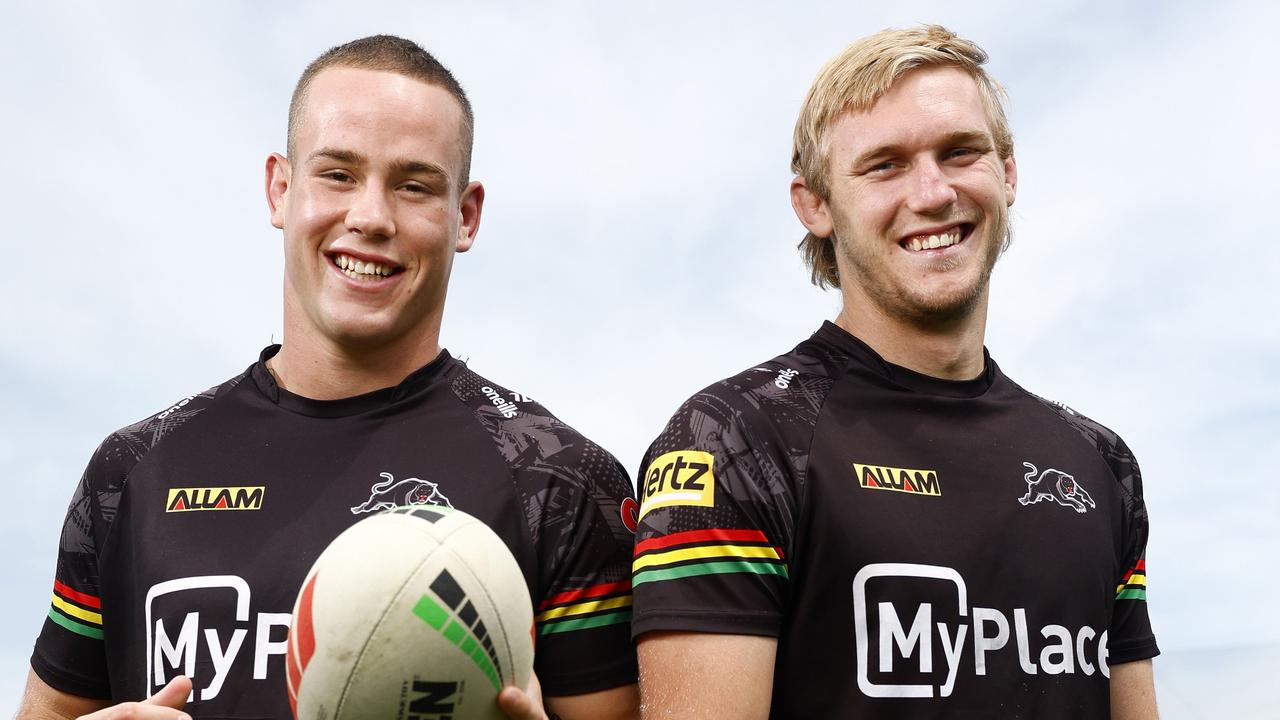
[[833, 335], [415, 382]]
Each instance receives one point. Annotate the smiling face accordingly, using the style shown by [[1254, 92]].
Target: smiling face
[[918, 200], [372, 212]]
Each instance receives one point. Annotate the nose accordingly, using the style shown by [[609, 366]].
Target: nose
[[931, 189], [370, 213]]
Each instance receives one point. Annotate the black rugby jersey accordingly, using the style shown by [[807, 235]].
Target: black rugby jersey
[[921, 548], [190, 533]]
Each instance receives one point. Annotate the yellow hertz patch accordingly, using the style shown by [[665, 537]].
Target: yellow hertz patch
[[214, 498], [683, 477], [907, 480]]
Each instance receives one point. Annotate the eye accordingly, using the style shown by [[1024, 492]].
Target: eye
[[339, 176], [882, 167]]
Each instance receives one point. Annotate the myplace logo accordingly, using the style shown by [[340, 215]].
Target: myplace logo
[[177, 638], [896, 638]]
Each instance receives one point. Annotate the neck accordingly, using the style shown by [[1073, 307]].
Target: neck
[[950, 349], [324, 370]]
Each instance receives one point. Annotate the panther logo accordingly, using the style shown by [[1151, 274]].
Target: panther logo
[[389, 494], [1057, 486]]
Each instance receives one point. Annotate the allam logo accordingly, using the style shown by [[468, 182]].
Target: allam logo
[[905, 480], [214, 498]]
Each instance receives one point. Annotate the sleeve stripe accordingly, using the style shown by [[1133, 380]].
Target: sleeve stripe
[[73, 626], [715, 568], [704, 552], [584, 608], [82, 598], [1134, 581], [696, 536], [77, 612], [585, 623], [1140, 570], [593, 591]]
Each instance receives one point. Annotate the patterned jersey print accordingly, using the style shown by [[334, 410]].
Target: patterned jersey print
[[190, 533], [920, 548]]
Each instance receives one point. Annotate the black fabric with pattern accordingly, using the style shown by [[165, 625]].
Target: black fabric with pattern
[[1030, 512], [140, 585]]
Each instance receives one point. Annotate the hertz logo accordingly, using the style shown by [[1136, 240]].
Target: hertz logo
[[907, 480], [214, 498], [683, 477]]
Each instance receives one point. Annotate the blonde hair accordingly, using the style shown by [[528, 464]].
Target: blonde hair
[[853, 81]]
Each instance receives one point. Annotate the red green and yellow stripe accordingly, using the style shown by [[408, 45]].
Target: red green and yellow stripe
[[706, 552], [1133, 586], [78, 612], [585, 608]]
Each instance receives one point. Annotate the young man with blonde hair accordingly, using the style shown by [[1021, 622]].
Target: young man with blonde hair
[[879, 523], [165, 608]]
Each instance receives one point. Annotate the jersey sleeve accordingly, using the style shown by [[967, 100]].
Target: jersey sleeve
[[69, 654], [583, 613], [718, 502], [1130, 636]]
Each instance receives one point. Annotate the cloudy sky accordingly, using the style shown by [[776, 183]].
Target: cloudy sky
[[638, 241]]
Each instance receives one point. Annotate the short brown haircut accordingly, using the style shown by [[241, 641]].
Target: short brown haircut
[[388, 53], [853, 81]]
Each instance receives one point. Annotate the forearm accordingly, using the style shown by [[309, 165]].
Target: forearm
[[688, 676], [1133, 691]]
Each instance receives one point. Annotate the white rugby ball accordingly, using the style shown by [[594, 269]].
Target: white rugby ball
[[417, 613]]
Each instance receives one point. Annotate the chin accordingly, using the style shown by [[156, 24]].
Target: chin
[[945, 305], [360, 333]]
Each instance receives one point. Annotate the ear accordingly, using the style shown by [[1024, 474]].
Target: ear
[[1010, 179], [470, 206], [279, 174], [811, 209]]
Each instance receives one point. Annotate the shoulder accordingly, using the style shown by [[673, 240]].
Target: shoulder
[[778, 397], [1105, 441], [530, 438], [126, 447]]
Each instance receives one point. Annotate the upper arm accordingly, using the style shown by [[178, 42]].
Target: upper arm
[[620, 703], [583, 611], [42, 702], [1133, 691], [705, 675]]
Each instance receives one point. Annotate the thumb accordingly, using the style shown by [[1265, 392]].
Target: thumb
[[174, 695]]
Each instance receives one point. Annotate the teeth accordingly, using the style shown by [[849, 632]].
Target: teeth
[[359, 268], [933, 242]]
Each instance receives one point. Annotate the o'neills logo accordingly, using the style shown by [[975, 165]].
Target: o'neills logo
[[508, 409], [907, 480], [214, 498]]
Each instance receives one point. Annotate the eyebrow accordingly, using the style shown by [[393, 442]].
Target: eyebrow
[[398, 167], [951, 139]]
